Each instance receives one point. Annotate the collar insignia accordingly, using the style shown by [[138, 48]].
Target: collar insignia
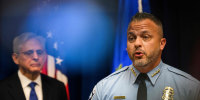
[[155, 73], [133, 72]]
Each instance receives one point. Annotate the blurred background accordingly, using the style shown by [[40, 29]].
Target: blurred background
[[89, 36]]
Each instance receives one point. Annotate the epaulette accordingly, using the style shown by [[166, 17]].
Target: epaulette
[[183, 74], [118, 71]]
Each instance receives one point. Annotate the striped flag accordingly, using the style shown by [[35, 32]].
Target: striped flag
[[127, 8], [53, 64]]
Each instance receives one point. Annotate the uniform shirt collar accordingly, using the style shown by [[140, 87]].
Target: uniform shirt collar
[[25, 81], [153, 74]]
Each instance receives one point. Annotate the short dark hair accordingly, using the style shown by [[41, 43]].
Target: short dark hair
[[23, 38], [142, 16]]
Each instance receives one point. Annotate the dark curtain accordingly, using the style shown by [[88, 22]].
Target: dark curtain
[[181, 23]]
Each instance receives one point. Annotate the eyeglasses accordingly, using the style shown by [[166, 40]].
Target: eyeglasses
[[30, 53]]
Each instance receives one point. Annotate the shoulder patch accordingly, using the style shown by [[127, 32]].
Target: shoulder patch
[[182, 73]]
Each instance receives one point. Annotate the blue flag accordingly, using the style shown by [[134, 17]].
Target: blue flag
[[127, 9]]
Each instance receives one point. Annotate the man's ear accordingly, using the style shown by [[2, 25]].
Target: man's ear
[[15, 58], [162, 43]]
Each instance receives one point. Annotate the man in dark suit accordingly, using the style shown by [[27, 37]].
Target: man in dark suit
[[28, 83]]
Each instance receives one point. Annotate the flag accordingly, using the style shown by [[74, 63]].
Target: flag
[[127, 8], [53, 64]]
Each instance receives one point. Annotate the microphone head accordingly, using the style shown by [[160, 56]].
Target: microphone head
[[168, 93]]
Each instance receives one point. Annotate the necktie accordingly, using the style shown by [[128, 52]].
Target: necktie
[[33, 95], [142, 89]]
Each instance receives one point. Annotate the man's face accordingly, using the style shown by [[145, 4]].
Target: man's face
[[31, 57], [144, 43]]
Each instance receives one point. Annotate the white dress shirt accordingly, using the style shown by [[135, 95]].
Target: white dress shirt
[[25, 82]]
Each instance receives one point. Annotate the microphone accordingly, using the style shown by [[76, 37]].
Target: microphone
[[168, 93]]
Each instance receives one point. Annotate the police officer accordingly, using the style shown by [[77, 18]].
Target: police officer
[[147, 78]]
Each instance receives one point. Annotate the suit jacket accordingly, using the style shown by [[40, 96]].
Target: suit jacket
[[11, 89]]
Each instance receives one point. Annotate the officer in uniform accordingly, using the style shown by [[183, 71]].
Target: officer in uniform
[[148, 78]]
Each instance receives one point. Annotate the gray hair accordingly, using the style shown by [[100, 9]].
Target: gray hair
[[23, 38]]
